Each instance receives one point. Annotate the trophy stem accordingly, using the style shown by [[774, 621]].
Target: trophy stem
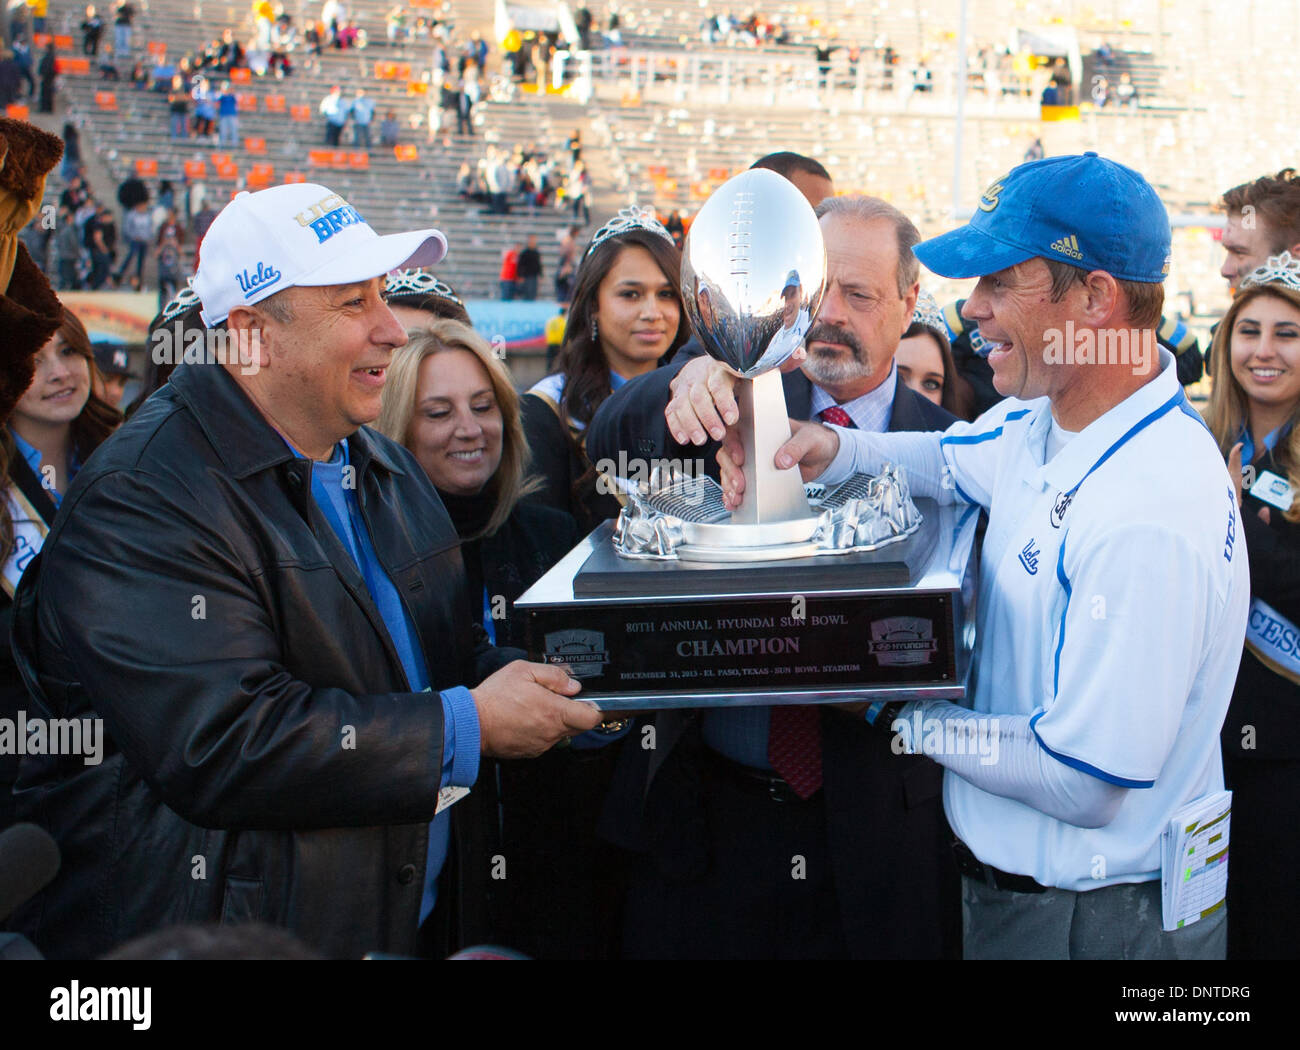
[[770, 494]]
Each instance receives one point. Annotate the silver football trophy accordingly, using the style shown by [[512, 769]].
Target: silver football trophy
[[753, 273], [804, 594]]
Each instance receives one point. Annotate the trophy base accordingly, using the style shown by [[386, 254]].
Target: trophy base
[[896, 623], [766, 541]]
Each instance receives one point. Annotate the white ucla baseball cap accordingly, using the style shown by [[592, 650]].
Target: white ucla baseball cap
[[297, 235]]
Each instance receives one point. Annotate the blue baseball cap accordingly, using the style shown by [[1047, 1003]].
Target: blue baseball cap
[[1087, 211]]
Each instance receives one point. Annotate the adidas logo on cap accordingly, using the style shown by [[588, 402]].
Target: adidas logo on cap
[[1068, 246]]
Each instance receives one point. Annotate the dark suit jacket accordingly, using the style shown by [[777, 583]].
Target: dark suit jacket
[[13, 694], [887, 836]]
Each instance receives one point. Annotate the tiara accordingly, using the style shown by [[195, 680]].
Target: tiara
[[928, 314], [182, 302], [1280, 269], [630, 218], [418, 282]]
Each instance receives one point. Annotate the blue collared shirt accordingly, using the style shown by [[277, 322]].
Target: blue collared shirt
[[33, 457], [338, 502]]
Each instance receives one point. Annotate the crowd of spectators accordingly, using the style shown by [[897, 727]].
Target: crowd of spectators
[[143, 244]]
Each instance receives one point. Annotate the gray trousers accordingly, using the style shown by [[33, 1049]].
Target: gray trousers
[[1113, 922]]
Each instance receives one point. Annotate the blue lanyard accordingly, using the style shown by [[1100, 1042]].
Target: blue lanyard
[[1248, 442], [488, 625], [1140, 425]]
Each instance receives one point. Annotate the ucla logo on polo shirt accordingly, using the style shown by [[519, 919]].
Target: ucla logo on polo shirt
[[329, 215], [1029, 557]]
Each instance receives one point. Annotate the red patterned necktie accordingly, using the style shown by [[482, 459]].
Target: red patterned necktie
[[836, 416], [794, 747], [794, 738]]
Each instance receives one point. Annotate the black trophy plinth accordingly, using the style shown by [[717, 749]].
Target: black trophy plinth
[[893, 624]]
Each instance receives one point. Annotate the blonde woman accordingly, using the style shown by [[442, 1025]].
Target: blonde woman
[[1253, 413], [451, 403]]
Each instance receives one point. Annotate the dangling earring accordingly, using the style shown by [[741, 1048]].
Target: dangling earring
[[595, 334]]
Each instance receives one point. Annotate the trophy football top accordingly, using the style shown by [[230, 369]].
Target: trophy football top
[[753, 272]]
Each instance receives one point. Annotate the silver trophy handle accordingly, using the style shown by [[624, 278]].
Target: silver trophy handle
[[770, 494]]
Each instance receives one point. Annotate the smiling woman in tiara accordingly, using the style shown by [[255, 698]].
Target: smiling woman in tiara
[[1253, 413], [626, 319]]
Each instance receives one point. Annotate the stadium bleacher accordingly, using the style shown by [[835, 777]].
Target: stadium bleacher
[[709, 108]]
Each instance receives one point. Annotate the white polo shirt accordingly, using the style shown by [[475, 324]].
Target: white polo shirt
[[1112, 609]]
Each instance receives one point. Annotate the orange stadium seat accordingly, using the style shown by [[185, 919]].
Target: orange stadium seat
[[158, 48], [301, 114], [417, 87], [1059, 113], [146, 166], [246, 103], [294, 176], [65, 64], [274, 103], [105, 100], [17, 111], [227, 171], [240, 75], [267, 170], [320, 158], [359, 161], [719, 174], [658, 171], [338, 158], [219, 159], [196, 169], [63, 43], [39, 40], [255, 145], [406, 152], [259, 177]]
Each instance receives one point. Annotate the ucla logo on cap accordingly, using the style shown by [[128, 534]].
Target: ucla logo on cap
[[257, 280], [332, 221], [989, 198], [328, 216]]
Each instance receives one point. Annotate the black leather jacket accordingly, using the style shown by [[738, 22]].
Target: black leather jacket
[[264, 757]]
